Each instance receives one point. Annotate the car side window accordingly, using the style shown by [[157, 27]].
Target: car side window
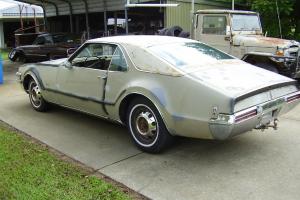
[[118, 62], [48, 39], [39, 40], [95, 56], [215, 25]]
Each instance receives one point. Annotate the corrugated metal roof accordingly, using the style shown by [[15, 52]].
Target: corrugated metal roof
[[11, 9], [60, 7]]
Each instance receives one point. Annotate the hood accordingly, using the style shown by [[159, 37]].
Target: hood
[[55, 62], [261, 41], [236, 78]]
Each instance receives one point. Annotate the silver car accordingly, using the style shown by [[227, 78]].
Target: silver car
[[160, 87]]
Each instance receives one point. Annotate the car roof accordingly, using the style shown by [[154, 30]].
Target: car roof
[[216, 11], [141, 40]]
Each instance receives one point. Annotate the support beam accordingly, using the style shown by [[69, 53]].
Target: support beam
[[70, 14], [42, 2], [45, 18], [86, 7], [105, 17], [126, 20], [116, 23], [51, 3]]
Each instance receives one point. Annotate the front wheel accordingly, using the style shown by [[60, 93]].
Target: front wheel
[[13, 55], [35, 97], [146, 126]]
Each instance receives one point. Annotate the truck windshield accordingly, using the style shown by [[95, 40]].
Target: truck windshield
[[188, 53], [245, 23]]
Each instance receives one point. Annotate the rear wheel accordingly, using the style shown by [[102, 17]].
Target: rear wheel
[[35, 97], [146, 126]]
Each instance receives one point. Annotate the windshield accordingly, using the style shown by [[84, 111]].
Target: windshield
[[245, 23], [188, 53]]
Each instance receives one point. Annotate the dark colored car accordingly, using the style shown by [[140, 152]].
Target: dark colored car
[[45, 47]]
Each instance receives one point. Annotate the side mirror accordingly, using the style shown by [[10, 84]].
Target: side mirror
[[228, 31], [228, 34], [70, 51]]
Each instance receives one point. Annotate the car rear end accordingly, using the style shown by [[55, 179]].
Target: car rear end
[[258, 109]]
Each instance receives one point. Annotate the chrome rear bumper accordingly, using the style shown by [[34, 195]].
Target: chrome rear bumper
[[259, 117]]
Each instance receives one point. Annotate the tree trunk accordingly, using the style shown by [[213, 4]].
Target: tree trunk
[[297, 20]]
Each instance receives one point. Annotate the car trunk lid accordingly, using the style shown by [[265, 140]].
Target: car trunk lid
[[241, 81]]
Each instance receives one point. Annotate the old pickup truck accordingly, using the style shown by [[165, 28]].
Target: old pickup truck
[[239, 33]]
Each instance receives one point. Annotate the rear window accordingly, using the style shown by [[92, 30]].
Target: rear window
[[188, 53]]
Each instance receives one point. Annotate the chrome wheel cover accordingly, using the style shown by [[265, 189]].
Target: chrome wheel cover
[[143, 125], [35, 95]]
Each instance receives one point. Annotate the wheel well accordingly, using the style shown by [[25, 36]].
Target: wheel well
[[26, 81], [125, 104]]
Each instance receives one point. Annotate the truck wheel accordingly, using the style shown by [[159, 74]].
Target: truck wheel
[[267, 66], [162, 31], [13, 55], [146, 126], [184, 34], [174, 31]]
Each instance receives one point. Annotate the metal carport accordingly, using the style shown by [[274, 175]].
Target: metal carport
[[56, 8]]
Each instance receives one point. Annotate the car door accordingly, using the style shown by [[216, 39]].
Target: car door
[[117, 81], [34, 51], [81, 83], [47, 48]]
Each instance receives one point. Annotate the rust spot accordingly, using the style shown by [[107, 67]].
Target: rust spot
[[276, 41]]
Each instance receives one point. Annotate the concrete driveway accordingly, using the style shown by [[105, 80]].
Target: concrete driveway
[[252, 166]]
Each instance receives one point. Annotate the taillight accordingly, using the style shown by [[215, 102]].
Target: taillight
[[293, 98], [246, 115]]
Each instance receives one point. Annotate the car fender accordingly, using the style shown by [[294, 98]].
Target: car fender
[[34, 74], [154, 94]]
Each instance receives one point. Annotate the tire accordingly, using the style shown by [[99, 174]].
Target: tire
[[162, 31], [184, 34], [146, 126], [174, 31], [13, 55], [267, 66], [35, 97]]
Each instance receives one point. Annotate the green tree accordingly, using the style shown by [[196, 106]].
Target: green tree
[[269, 17], [289, 11]]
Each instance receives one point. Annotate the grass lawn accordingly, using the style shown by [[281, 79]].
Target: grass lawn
[[30, 171], [4, 54]]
